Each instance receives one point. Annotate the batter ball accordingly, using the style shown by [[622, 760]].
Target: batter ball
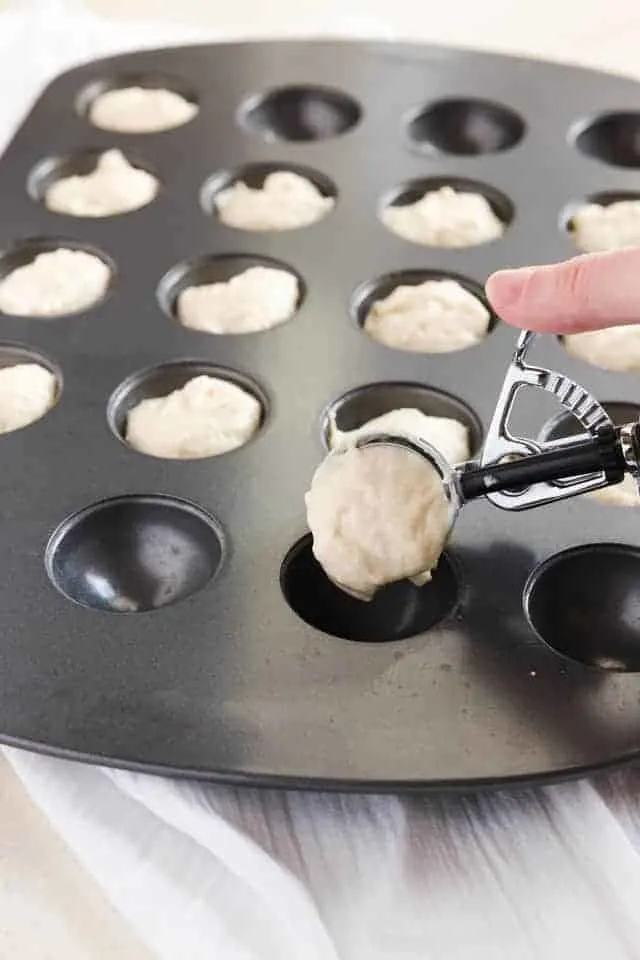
[[257, 299], [599, 227], [617, 348], [140, 110], [623, 494], [445, 218], [437, 316], [54, 283], [114, 187], [285, 201], [377, 515], [27, 392], [206, 417]]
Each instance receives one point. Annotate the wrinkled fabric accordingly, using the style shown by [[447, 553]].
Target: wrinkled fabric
[[204, 871]]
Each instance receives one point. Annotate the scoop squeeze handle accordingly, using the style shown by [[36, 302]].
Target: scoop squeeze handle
[[553, 469], [601, 454]]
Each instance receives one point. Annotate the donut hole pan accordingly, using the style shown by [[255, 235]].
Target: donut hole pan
[[396, 612], [214, 269], [300, 114], [612, 138], [134, 554], [164, 379], [243, 663], [466, 127]]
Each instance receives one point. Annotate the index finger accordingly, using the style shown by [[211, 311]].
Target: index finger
[[589, 292]]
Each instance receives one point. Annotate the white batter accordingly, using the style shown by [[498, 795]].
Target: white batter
[[257, 299], [445, 218], [437, 316], [377, 515], [54, 283], [617, 348], [114, 187], [285, 201], [206, 417], [448, 436], [140, 110], [27, 392], [623, 494], [596, 227]]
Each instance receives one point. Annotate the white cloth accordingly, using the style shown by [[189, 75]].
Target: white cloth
[[211, 872], [216, 872]]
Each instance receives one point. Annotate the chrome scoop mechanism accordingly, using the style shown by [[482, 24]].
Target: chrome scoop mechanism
[[553, 469], [518, 473]]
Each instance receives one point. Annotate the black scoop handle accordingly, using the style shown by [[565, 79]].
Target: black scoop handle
[[599, 453]]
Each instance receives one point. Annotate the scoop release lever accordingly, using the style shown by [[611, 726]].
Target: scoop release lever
[[517, 473]]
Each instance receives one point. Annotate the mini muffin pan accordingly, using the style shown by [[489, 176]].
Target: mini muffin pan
[[169, 615]]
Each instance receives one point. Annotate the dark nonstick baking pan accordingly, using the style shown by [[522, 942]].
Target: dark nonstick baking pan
[[168, 615]]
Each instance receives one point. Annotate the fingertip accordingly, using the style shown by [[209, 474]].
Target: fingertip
[[504, 290], [587, 292]]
